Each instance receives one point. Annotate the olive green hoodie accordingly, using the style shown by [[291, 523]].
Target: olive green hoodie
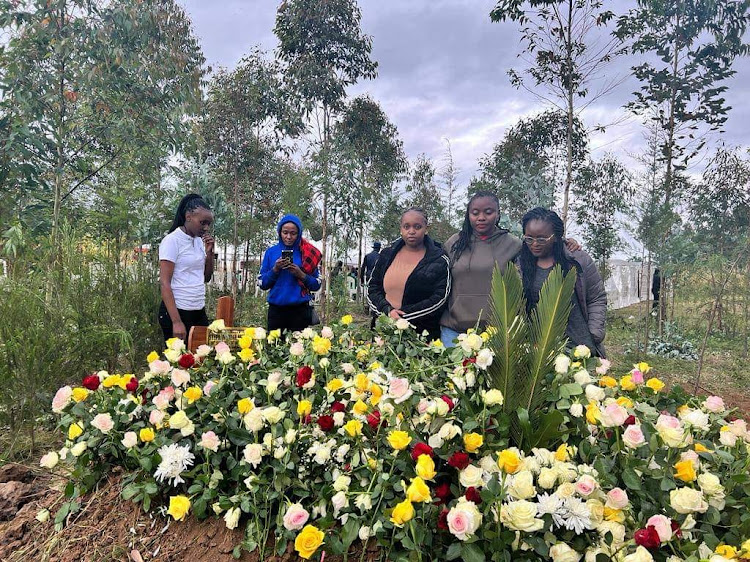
[[472, 277]]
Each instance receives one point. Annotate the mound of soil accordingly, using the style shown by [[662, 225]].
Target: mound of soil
[[108, 528]]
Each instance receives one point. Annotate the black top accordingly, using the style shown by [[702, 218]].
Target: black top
[[368, 265], [426, 290]]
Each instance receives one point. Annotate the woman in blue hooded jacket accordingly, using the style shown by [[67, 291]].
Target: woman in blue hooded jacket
[[290, 271]]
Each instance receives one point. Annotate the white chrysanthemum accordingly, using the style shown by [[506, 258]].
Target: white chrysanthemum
[[549, 504], [175, 459], [577, 516]]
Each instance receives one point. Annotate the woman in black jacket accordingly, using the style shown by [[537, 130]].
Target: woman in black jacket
[[411, 279]]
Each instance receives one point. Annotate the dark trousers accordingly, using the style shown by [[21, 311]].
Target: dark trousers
[[189, 317], [294, 318]]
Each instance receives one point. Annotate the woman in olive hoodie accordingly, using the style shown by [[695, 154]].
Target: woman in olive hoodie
[[473, 254], [411, 279]]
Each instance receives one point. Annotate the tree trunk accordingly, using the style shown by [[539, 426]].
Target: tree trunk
[[746, 309], [235, 238], [569, 135], [244, 267]]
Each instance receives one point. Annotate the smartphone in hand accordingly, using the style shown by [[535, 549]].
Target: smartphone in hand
[[287, 255]]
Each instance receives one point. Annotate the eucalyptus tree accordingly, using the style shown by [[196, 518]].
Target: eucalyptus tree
[[568, 49]]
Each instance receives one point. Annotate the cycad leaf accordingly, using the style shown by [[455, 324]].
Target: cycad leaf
[[509, 342], [547, 328]]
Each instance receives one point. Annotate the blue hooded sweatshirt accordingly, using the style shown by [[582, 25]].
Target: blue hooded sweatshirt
[[285, 290]]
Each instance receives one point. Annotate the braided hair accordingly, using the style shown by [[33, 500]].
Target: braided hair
[[464, 236], [190, 202], [419, 210], [527, 259]]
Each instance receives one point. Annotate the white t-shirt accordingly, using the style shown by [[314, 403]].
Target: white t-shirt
[[189, 258]]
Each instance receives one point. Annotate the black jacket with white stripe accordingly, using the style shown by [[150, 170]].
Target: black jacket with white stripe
[[426, 291]]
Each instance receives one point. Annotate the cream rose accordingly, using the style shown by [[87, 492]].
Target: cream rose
[[253, 454], [561, 552], [521, 485], [471, 476], [687, 500], [521, 516]]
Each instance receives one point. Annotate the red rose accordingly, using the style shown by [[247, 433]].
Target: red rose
[[421, 449], [676, 531], [91, 382], [186, 360], [325, 423], [448, 401], [443, 492], [132, 385], [459, 460], [338, 407], [373, 420], [469, 361], [304, 374], [630, 420], [472, 494], [647, 537], [442, 522]]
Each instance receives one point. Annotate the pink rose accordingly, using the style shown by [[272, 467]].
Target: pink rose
[[295, 517], [208, 387], [297, 349], [61, 399], [210, 441], [714, 404], [691, 456], [668, 422], [617, 498], [180, 377], [168, 392], [156, 416], [604, 365], [380, 342], [159, 367], [221, 347], [326, 332], [586, 485], [636, 376], [423, 405], [663, 526], [738, 428], [103, 422], [161, 401], [399, 389], [614, 415], [633, 436]]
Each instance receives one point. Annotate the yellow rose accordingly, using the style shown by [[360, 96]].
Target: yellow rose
[[151, 357], [244, 405], [179, 507], [399, 440], [353, 427], [308, 541], [612, 514], [643, 367], [246, 355], [485, 336], [627, 383], [607, 382], [361, 382], [304, 407], [334, 385], [425, 467], [347, 319], [562, 453], [375, 365], [273, 335], [321, 345], [473, 441], [509, 461], [655, 384], [110, 381], [125, 379], [625, 402], [372, 463], [362, 353], [746, 547], [418, 491], [245, 341], [192, 394], [685, 471], [74, 431], [726, 551], [701, 449], [437, 344], [80, 394], [592, 413], [359, 407], [250, 333], [146, 434], [376, 393], [402, 513], [215, 326]]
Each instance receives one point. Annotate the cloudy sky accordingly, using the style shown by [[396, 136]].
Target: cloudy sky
[[443, 74]]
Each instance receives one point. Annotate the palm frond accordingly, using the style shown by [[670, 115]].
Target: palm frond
[[547, 328]]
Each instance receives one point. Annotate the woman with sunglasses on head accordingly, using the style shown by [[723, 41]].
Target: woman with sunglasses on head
[[543, 248]]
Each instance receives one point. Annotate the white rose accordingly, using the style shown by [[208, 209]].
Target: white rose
[[297, 349], [562, 363], [322, 455], [547, 478], [402, 324], [441, 408], [710, 484], [364, 533], [521, 485], [253, 454], [582, 377], [279, 453], [582, 352], [484, 358], [697, 419], [341, 484], [363, 502], [449, 431], [561, 552], [50, 460], [338, 418], [617, 530], [129, 440], [521, 516], [273, 414], [78, 449], [595, 393], [339, 502], [290, 436], [687, 500], [471, 476], [492, 397], [232, 517], [640, 555], [42, 515], [472, 342], [576, 409], [464, 519], [253, 420]]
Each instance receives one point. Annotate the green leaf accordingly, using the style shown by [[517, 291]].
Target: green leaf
[[470, 552], [350, 532], [454, 551], [631, 479]]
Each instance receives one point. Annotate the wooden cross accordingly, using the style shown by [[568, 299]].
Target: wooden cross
[[199, 334]]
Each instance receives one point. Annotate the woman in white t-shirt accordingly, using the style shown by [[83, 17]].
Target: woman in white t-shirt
[[186, 264]]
